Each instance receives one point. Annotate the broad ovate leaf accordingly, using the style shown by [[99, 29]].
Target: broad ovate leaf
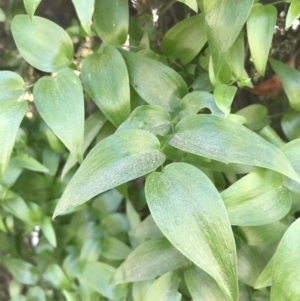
[[42, 43], [257, 199], [155, 82], [185, 40], [149, 260], [293, 13], [31, 6], [290, 79], [229, 142], [59, 100], [111, 19], [261, 16], [105, 78], [286, 265], [224, 21], [85, 10], [191, 4], [12, 85], [11, 115], [115, 160], [191, 214]]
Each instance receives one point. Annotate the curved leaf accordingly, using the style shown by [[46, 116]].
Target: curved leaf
[[31, 6], [42, 43], [293, 13], [105, 78], [290, 124], [191, 4], [257, 199], [111, 19], [149, 260], [190, 212], [261, 16], [58, 97], [85, 10], [265, 277], [185, 40], [224, 95], [117, 159], [229, 142], [155, 82], [11, 115], [12, 85], [286, 265]]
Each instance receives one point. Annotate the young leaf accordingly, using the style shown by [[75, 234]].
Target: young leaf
[[293, 13], [165, 288], [117, 159], [224, 95], [153, 119], [224, 21], [155, 82], [286, 265], [42, 43], [12, 85], [185, 40], [229, 142], [257, 199], [58, 97], [105, 78], [150, 260], [31, 6], [111, 19], [85, 10], [191, 4], [190, 212], [261, 16], [11, 115]]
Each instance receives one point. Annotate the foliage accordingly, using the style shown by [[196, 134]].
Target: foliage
[[127, 173]]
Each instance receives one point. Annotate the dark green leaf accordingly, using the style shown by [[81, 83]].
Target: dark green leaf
[[178, 199], [42, 43], [12, 85], [191, 4]]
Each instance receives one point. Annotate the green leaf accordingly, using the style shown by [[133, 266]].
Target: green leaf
[[293, 13], [265, 277], [48, 230], [55, 276], [165, 90], [224, 96], [290, 124], [85, 10], [102, 282], [150, 260], [31, 6], [58, 97], [117, 159], [42, 43], [261, 16], [191, 4], [178, 199], [140, 288], [257, 199], [11, 115], [229, 142], [202, 286], [35, 293], [186, 39], [111, 19], [153, 119], [290, 79], [164, 289], [12, 85], [114, 249], [224, 21], [105, 78], [286, 265], [24, 161]]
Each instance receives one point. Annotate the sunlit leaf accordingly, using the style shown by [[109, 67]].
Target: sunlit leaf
[[12, 85], [293, 13], [31, 6]]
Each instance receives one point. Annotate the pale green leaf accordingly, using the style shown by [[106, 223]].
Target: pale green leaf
[[155, 82], [258, 198], [265, 277], [114, 249], [229, 142], [224, 95], [12, 85], [140, 288], [105, 78], [31, 6], [224, 21], [117, 159], [85, 10], [149, 260], [2, 15], [286, 265], [58, 97], [48, 230], [11, 115], [42, 43], [56, 277], [261, 17], [186, 39], [293, 13], [24, 161], [290, 79], [178, 199], [111, 19], [36, 293], [191, 4]]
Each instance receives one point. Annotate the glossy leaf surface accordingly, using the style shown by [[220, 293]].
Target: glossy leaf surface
[[189, 211]]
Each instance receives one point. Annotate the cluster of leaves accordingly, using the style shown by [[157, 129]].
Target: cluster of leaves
[[222, 187]]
